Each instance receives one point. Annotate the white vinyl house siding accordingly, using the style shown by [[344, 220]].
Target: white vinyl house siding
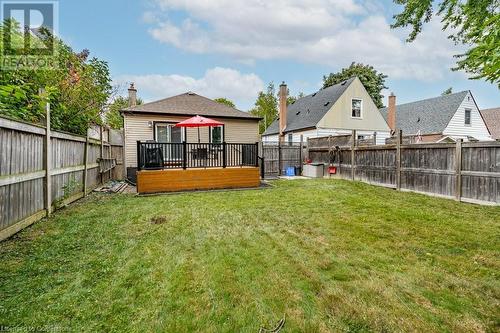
[[241, 131], [270, 138], [322, 132], [456, 127]]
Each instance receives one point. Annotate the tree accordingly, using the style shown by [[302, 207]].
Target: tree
[[266, 107], [77, 90], [225, 101], [373, 81], [292, 99], [113, 117], [475, 23], [448, 91]]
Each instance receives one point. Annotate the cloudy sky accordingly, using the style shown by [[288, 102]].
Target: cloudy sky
[[234, 48]]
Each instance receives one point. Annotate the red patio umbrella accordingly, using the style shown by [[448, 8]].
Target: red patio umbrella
[[199, 121]]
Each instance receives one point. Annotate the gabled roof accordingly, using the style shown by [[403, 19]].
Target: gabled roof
[[492, 119], [429, 116], [190, 104], [307, 111]]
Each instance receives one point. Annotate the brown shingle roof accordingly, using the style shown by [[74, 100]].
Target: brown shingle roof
[[492, 119], [190, 104]]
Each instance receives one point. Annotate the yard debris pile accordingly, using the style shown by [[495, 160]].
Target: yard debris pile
[[112, 187]]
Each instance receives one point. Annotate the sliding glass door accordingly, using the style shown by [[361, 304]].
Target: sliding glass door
[[168, 133]]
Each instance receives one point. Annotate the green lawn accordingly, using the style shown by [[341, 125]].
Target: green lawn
[[328, 255]]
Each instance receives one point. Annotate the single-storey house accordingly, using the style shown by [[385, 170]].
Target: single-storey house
[[156, 121], [439, 119], [336, 110], [492, 119]]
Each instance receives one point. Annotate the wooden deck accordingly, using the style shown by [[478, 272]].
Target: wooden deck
[[173, 180]]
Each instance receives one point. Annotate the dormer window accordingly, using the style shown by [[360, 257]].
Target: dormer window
[[356, 108]]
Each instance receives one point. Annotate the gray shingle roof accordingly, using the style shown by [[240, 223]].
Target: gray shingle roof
[[492, 119], [307, 111], [429, 116], [190, 104]]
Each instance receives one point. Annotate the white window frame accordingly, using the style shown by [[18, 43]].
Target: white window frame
[[470, 117], [221, 134], [167, 124], [360, 109]]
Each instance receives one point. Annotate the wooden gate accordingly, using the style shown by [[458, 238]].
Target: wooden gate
[[280, 156]]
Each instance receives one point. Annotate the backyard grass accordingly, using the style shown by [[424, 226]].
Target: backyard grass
[[329, 256]]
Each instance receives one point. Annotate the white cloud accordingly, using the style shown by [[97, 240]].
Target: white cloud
[[328, 32], [217, 82]]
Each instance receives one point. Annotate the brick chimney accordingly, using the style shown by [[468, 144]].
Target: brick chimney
[[391, 112], [283, 109], [132, 95]]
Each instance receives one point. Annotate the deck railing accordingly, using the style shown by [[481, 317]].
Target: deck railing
[[160, 155]]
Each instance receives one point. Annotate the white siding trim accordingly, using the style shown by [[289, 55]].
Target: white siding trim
[[322, 132], [270, 138]]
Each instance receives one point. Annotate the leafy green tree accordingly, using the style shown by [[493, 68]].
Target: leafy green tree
[[475, 23], [292, 99], [373, 81], [114, 118], [266, 107], [77, 90], [225, 101], [448, 91]]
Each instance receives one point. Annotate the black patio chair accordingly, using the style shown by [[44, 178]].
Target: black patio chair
[[200, 154], [154, 158]]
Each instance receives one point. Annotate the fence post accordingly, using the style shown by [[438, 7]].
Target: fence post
[[138, 155], [86, 163], [279, 158], [308, 155], [102, 153], [398, 159], [110, 152], [47, 158], [374, 138], [257, 154], [262, 167], [300, 152], [353, 155], [184, 154], [224, 151], [458, 168]]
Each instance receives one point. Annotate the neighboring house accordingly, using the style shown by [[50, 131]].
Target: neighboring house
[[492, 119], [335, 110], [156, 121], [440, 119]]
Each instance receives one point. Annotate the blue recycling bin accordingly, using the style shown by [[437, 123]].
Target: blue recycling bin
[[290, 171]]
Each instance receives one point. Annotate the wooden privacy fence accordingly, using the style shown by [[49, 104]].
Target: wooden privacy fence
[[278, 156], [42, 170], [465, 171]]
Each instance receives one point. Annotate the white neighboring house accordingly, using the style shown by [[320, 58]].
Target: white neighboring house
[[439, 119], [335, 110]]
